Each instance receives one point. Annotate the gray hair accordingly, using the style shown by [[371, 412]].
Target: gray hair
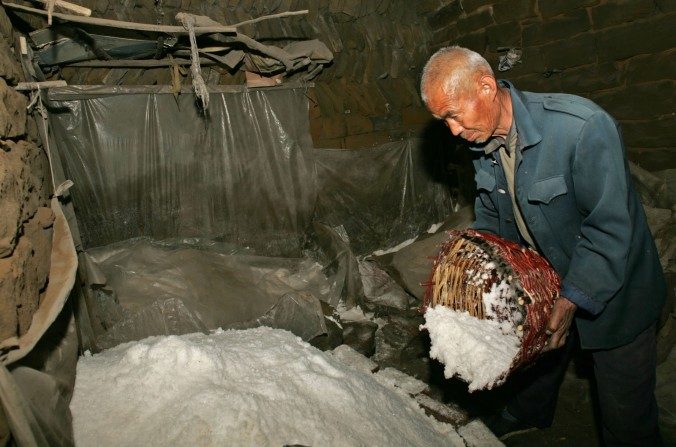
[[453, 67]]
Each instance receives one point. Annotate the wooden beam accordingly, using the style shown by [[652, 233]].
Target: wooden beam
[[137, 63], [72, 7], [23, 86], [169, 29], [272, 16]]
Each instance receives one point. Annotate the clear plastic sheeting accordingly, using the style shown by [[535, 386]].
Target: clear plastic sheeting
[[150, 164], [340, 264], [299, 313], [381, 196], [178, 287], [160, 317], [228, 218], [412, 265], [380, 290]]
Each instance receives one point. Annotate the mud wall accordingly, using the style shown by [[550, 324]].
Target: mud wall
[[25, 218]]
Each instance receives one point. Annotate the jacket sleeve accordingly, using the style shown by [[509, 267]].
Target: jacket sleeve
[[599, 174]]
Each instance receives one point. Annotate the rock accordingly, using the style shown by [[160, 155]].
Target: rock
[[668, 199], [360, 335], [450, 413], [38, 231], [401, 345], [380, 291], [354, 359], [10, 69], [330, 340], [19, 289], [476, 434], [394, 378], [12, 112], [23, 188]]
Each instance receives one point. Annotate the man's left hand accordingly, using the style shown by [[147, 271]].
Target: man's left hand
[[559, 323]]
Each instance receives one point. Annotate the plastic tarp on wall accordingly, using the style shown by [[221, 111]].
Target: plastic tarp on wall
[[190, 285], [381, 196], [148, 164]]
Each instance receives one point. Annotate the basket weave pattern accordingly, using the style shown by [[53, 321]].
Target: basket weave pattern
[[471, 264]]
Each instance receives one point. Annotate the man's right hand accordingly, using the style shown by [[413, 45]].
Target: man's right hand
[[559, 323]]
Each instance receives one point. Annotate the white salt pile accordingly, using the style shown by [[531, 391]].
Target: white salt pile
[[259, 387], [478, 351]]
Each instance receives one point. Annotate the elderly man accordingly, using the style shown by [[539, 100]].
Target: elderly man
[[551, 174]]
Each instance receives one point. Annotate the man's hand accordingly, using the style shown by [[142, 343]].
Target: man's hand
[[559, 323]]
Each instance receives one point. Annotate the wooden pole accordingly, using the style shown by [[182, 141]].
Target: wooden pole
[[22, 86], [77, 9], [137, 63], [272, 16], [169, 29]]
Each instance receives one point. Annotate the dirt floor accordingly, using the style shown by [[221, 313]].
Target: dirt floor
[[575, 422]]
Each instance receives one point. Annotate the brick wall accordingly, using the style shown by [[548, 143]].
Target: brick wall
[[619, 53]]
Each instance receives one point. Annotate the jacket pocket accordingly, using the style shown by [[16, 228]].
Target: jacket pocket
[[545, 190], [484, 181]]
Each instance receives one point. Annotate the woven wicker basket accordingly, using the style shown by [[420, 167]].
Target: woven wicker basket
[[496, 279]]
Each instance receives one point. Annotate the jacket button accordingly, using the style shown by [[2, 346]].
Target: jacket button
[[501, 191]]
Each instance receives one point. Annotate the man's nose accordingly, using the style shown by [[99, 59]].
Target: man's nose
[[453, 125]]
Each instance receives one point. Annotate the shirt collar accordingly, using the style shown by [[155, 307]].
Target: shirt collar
[[522, 122], [496, 142]]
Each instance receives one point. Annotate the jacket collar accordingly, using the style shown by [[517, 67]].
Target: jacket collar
[[525, 127]]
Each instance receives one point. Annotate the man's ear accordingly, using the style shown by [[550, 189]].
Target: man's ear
[[488, 86]]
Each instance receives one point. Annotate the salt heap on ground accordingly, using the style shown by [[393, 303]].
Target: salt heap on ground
[[258, 387]]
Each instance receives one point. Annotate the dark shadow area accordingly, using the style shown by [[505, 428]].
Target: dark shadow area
[[448, 160], [576, 421]]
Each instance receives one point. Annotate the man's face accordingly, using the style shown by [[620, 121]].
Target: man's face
[[471, 115]]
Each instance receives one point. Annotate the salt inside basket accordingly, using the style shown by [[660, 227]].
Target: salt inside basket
[[486, 307]]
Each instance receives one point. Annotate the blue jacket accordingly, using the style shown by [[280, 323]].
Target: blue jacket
[[574, 190]]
